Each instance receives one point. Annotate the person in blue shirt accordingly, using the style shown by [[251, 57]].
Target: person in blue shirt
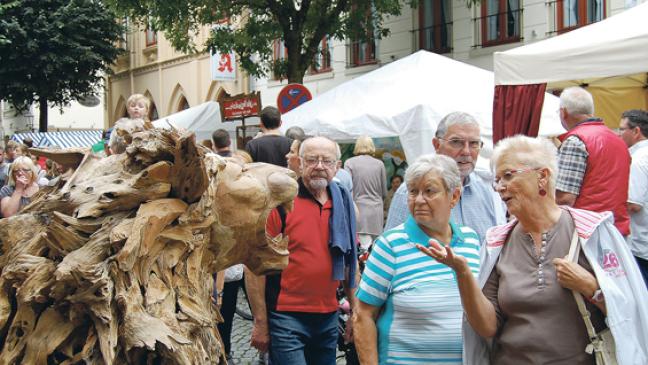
[[458, 136], [409, 308]]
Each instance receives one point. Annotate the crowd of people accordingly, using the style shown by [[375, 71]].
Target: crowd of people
[[461, 270], [464, 271]]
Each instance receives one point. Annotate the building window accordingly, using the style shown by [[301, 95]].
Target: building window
[[123, 42], [151, 35], [183, 104], [322, 62], [435, 31], [153, 113], [362, 52], [500, 21], [279, 58], [572, 14]]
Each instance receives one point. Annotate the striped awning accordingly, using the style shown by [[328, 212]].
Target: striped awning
[[36, 137], [63, 139]]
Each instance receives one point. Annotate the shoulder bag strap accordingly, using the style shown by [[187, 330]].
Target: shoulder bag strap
[[574, 250]]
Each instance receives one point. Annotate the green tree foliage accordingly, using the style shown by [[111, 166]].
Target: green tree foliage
[[249, 27], [54, 51]]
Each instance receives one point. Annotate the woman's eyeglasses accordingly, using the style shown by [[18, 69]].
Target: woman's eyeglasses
[[508, 175], [26, 171]]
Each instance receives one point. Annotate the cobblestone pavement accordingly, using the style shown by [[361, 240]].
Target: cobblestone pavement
[[242, 352]]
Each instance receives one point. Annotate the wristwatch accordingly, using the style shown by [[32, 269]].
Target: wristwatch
[[597, 297]]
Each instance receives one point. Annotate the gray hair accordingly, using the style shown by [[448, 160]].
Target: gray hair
[[534, 153], [577, 100], [444, 166], [296, 132], [309, 140], [454, 118]]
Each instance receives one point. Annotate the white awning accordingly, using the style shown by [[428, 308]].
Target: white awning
[[615, 46]]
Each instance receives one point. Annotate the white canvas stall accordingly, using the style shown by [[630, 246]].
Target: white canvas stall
[[203, 120], [407, 98], [614, 46]]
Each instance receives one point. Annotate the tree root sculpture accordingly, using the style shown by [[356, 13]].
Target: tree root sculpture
[[115, 265]]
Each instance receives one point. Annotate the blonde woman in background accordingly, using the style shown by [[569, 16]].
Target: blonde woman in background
[[21, 186], [369, 189]]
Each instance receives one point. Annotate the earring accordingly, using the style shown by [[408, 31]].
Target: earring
[[542, 192]]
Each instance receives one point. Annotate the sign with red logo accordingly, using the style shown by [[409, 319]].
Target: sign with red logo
[[292, 96], [223, 66], [240, 106]]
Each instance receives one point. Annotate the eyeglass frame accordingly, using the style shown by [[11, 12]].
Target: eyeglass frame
[[463, 144], [28, 170], [497, 180], [315, 161]]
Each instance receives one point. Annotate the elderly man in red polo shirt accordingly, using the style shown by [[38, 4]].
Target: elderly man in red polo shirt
[[295, 313]]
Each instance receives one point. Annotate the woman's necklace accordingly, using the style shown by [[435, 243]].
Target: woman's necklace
[[540, 257]]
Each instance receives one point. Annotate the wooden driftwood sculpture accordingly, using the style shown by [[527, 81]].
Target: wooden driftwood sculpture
[[115, 266]]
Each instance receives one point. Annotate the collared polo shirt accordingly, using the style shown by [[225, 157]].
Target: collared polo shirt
[[306, 284], [422, 314]]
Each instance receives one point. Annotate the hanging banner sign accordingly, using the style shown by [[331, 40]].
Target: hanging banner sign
[[240, 106], [223, 66]]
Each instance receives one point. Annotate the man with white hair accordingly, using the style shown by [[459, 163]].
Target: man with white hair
[[295, 312], [458, 136], [593, 162]]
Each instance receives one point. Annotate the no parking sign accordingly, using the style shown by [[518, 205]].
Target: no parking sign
[[292, 96]]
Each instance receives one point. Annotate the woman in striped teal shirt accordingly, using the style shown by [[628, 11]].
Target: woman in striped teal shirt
[[409, 308]]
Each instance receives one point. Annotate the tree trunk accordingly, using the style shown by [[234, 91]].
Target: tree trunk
[[295, 72], [42, 118]]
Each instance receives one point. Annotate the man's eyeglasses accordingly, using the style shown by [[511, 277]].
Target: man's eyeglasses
[[313, 161], [508, 175], [458, 143]]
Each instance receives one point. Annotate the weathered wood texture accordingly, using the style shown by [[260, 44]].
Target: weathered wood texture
[[114, 266]]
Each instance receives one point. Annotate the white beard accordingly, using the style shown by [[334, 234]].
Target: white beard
[[318, 184]]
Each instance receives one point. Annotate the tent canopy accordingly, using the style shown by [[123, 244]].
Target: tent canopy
[[63, 139], [407, 98], [203, 120], [614, 46]]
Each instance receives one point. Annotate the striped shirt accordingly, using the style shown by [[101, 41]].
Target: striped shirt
[[422, 314]]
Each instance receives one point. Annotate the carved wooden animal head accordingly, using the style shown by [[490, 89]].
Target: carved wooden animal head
[[116, 266]]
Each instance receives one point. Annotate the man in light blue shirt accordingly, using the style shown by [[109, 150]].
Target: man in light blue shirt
[[458, 136], [633, 129]]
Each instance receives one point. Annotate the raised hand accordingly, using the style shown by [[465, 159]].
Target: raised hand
[[444, 255]]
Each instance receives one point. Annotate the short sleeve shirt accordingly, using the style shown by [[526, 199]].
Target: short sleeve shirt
[[572, 163], [537, 324], [270, 149], [638, 194], [421, 315], [8, 191]]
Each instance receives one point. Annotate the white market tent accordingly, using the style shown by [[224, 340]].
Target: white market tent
[[203, 120], [407, 98], [593, 55]]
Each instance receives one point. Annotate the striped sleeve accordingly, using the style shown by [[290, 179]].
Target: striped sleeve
[[377, 277]]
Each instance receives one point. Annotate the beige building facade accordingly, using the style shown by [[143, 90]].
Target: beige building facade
[[172, 80]]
